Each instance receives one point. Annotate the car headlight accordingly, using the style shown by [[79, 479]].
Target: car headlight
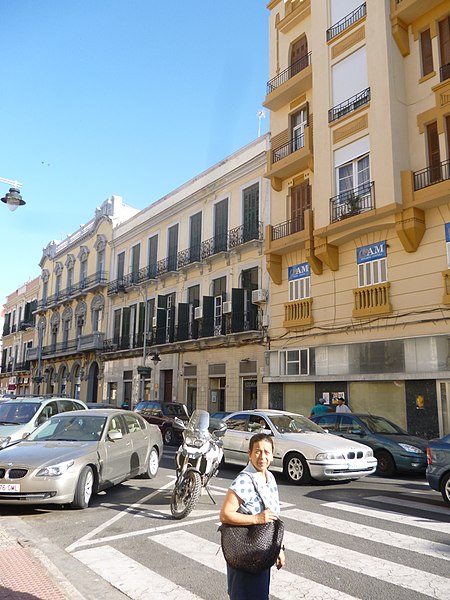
[[4, 441], [55, 470], [330, 456], [410, 448], [369, 453]]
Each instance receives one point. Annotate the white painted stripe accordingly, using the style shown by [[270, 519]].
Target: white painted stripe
[[284, 585], [382, 536], [130, 577], [441, 510], [395, 517], [383, 570]]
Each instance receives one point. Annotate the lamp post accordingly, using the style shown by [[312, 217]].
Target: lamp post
[[143, 371], [12, 199]]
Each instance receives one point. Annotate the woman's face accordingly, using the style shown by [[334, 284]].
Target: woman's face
[[261, 455]]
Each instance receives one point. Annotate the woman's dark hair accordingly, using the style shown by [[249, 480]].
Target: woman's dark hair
[[259, 437]]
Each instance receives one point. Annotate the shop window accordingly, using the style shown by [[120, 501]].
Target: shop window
[[294, 362]]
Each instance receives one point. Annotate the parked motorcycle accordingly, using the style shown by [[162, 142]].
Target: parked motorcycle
[[197, 461]]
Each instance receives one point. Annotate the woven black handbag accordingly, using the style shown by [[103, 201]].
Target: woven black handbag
[[252, 548]]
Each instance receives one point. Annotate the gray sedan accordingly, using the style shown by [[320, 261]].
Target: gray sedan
[[74, 455]]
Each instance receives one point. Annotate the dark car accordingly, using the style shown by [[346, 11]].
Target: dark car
[[163, 415], [438, 469], [100, 405], [394, 448]]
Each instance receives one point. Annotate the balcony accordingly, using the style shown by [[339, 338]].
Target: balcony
[[444, 72], [33, 353], [346, 22], [372, 300], [88, 284], [86, 343], [431, 175], [289, 84], [352, 202], [289, 235], [290, 158], [348, 106], [403, 14], [298, 313], [226, 242]]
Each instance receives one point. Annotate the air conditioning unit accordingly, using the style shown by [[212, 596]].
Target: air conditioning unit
[[154, 321], [226, 308], [198, 312], [259, 296]]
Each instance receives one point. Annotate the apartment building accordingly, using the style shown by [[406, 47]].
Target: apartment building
[[66, 358], [17, 339], [358, 243], [187, 315]]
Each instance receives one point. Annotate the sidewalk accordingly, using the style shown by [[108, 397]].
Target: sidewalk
[[27, 574]]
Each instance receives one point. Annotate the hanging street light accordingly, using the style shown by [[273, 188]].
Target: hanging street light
[[12, 199]]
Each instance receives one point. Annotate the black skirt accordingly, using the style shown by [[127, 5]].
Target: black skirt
[[248, 586]]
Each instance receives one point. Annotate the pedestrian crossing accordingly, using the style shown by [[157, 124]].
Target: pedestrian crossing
[[356, 540]]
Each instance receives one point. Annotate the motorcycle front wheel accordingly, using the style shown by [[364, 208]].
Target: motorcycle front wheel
[[185, 495]]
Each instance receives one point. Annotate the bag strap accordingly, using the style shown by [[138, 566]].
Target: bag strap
[[256, 488]]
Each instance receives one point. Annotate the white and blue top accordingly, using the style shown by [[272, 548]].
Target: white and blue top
[[244, 487]]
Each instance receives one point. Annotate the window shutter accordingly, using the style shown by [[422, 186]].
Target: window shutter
[[237, 310], [183, 321], [427, 52], [208, 316], [161, 316]]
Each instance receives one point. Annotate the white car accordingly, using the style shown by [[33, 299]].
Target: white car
[[302, 450]]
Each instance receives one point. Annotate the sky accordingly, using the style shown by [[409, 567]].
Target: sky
[[118, 97]]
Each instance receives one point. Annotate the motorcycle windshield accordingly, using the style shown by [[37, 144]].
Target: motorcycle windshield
[[198, 424]]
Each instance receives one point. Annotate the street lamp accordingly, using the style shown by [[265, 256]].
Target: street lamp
[[12, 199]]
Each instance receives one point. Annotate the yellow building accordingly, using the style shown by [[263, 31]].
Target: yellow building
[[186, 312], [70, 313], [17, 339], [358, 245]]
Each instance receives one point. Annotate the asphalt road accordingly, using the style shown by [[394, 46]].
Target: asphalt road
[[370, 539]]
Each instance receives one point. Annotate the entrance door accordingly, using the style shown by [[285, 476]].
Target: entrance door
[[167, 384], [444, 407], [299, 55], [300, 201]]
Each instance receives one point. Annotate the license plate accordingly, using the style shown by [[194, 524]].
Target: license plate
[[9, 487]]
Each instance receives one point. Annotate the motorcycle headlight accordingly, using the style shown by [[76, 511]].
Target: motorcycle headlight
[[4, 441], [330, 456], [55, 470], [412, 449], [192, 440]]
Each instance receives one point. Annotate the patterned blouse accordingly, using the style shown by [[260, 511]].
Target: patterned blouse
[[244, 487]]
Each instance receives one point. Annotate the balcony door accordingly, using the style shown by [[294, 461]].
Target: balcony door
[[300, 201], [195, 237], [298, 123], [172, 248], [299, 55], [250, 217], [434, 155], [220, 226]]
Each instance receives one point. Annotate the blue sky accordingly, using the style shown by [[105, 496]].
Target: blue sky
[[126, 97]]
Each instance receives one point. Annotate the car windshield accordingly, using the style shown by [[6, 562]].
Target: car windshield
[[294, 424], [69, 428], [16, 413], [177, 410], [381, 425]]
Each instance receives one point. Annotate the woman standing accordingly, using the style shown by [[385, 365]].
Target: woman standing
[[244, 505]]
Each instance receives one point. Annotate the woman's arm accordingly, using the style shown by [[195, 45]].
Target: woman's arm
[[229, 512]]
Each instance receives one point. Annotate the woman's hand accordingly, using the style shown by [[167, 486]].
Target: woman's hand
[[265, 517], [281, 560]]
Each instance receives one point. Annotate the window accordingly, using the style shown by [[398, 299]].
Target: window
[[152, 256], [426, 51], [299, 289], [349, 76], [250, 218], [58, 284], [221, 226], [299, 121], [294, 362], [341, 8], [100, 262], [120, 266], [195, 237], [354, 174], [135, 257], [172, 247], [83, 271], [69, 279], [372, 265]]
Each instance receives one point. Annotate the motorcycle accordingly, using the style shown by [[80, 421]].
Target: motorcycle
[[197, 460]]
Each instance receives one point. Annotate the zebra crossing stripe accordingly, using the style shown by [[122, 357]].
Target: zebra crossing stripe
[[382, 536], [423, 582], [130, 577], [386, 515], [284, 585], [441, 510]]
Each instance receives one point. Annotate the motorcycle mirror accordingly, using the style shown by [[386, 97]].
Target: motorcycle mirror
[[179, 423], [218, 427]]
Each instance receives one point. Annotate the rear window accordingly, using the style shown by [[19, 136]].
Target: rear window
[[175, 410], [16, 413]]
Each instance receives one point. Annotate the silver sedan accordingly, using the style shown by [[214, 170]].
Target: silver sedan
[[76, 454]]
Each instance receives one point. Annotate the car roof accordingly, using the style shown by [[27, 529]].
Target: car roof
[[104, 412], [265, 411]]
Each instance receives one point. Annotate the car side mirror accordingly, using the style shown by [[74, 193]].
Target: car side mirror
[[358, 431], [115, 435]]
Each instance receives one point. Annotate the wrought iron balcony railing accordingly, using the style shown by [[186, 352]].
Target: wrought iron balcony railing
[[349, 105], [288, 227], [288, 148], [444, 72], [84, 343], [352, 202], [348, 20], [431, 175], [285, 75], [86, 284]]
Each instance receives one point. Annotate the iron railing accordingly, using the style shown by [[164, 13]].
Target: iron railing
[[431, 175], [444, 72], [345, 22], [352, 202], [86, 284], [285, 75], [349, 105], [288, 227], [288, 148]]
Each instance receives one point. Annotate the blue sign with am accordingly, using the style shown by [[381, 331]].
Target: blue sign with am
[[299, 271], [447, 232], [371, 252]]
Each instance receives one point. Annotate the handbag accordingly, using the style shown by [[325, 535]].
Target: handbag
[[252, 548]]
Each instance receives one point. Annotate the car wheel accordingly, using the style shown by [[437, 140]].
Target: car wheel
[[386, 464], [152, 464], [445, 488], [296, 469], [169, 437], [84, 489]]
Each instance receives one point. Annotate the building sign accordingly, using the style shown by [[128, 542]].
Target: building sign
[[299, 271], [371, 252], [447, 232]]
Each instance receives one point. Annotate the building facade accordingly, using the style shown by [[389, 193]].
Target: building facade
[[358, 245], [187, 315], [66, 358], [17, 339]]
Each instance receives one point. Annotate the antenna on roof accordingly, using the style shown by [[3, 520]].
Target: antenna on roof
[[261, 115]]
